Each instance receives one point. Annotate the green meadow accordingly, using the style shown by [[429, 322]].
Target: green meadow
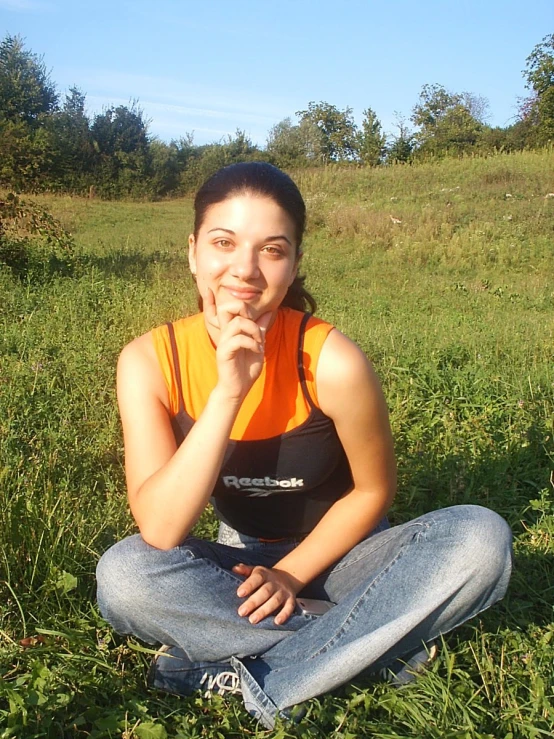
[[444, 274]]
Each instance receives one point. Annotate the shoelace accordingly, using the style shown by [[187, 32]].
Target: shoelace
[[221, 683]]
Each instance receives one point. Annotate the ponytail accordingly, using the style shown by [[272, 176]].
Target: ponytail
[[298, 297]]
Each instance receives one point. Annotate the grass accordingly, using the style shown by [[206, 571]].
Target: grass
[[455, 306]]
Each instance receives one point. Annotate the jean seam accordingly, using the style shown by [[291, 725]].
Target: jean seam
[[221, 569], [423, 526], [356, 607], [262, 707], [191, 555]]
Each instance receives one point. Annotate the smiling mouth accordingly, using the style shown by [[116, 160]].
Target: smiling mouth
[[243, 293]]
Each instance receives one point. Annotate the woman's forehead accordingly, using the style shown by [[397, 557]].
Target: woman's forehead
[[247, 212]]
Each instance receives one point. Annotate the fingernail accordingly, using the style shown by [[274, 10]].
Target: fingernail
[[242, 611], [253, 620]]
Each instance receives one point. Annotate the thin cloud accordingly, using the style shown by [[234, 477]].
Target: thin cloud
[[208, 112], [99, 101], [174, 106], [172, 121], [191, 98]]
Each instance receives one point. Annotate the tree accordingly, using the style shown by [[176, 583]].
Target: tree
[[239, 148], [292, 145], [449, 123], [434, 102], [26, 91], [208, 159], [545, 132], [339, 134], [537, 111], [164, 167], [27, 97], [539, 66], [372, 140], [121, 143], [122, 129], [25, 156], [402, 145], [73, 158]]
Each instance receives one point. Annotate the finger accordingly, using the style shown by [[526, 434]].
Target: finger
[[263, 323], [267, 608], [236, 343], [254, 581], [232, 308], [219, 315], [286, 611], [259, 597], [242, 569], [239, 325], [264, 320]]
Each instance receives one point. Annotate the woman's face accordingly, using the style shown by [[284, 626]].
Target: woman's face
[[245, 252]]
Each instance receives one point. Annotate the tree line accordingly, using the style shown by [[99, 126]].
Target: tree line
[[49, 143]]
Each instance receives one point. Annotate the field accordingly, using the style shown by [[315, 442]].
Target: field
[[444, 274]]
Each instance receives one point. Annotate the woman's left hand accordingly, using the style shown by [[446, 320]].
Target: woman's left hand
[[266, 591]]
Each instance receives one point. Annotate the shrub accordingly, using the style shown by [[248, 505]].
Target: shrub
[[32, 242]]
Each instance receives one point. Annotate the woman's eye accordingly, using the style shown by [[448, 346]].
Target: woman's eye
[[273, 251], [224, 243]]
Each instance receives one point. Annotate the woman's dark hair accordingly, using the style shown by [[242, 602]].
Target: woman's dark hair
[[259, 178]]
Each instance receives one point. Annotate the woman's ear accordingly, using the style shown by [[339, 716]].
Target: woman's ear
[[192, 255]]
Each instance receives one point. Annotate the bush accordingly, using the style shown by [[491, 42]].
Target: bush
[[32, 242]]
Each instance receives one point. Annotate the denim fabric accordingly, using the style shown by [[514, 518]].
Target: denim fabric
[[399, 587]]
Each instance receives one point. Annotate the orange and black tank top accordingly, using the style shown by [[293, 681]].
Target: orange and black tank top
[[284, 466]]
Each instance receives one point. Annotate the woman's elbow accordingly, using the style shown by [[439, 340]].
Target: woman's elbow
[[159, 541], [160, 537]]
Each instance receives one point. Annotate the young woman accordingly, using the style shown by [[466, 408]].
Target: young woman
[[279, 420]]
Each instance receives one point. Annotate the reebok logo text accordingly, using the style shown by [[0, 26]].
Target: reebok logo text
[[230, 481]]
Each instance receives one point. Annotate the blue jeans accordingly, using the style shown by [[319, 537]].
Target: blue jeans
[[398, 588]]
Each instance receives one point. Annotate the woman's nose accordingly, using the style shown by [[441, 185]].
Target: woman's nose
[[245, 264]]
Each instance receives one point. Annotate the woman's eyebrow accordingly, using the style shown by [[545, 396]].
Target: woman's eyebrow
[[278, 236], [267, 238]]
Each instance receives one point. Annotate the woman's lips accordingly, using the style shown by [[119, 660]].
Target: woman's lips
[[242, 293]]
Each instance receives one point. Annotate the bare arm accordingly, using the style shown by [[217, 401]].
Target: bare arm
[[350, 394], [168, 488]]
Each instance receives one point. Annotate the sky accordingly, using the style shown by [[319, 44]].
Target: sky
[[211, 67]]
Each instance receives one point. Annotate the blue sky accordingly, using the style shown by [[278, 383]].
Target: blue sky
[[213, 66]]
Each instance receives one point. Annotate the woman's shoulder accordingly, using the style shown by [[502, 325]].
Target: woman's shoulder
[[179, 328], [148, 358], [315, 329], [343, 372], [149, 345], [138, 360], [292, 316]]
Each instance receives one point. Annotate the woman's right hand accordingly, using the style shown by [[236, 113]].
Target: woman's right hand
[[241, 344]]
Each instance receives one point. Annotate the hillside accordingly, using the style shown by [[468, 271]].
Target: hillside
[[443, 273]]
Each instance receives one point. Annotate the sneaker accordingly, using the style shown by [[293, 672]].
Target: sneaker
[[173, 672], [404, 671], [224, 683]]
